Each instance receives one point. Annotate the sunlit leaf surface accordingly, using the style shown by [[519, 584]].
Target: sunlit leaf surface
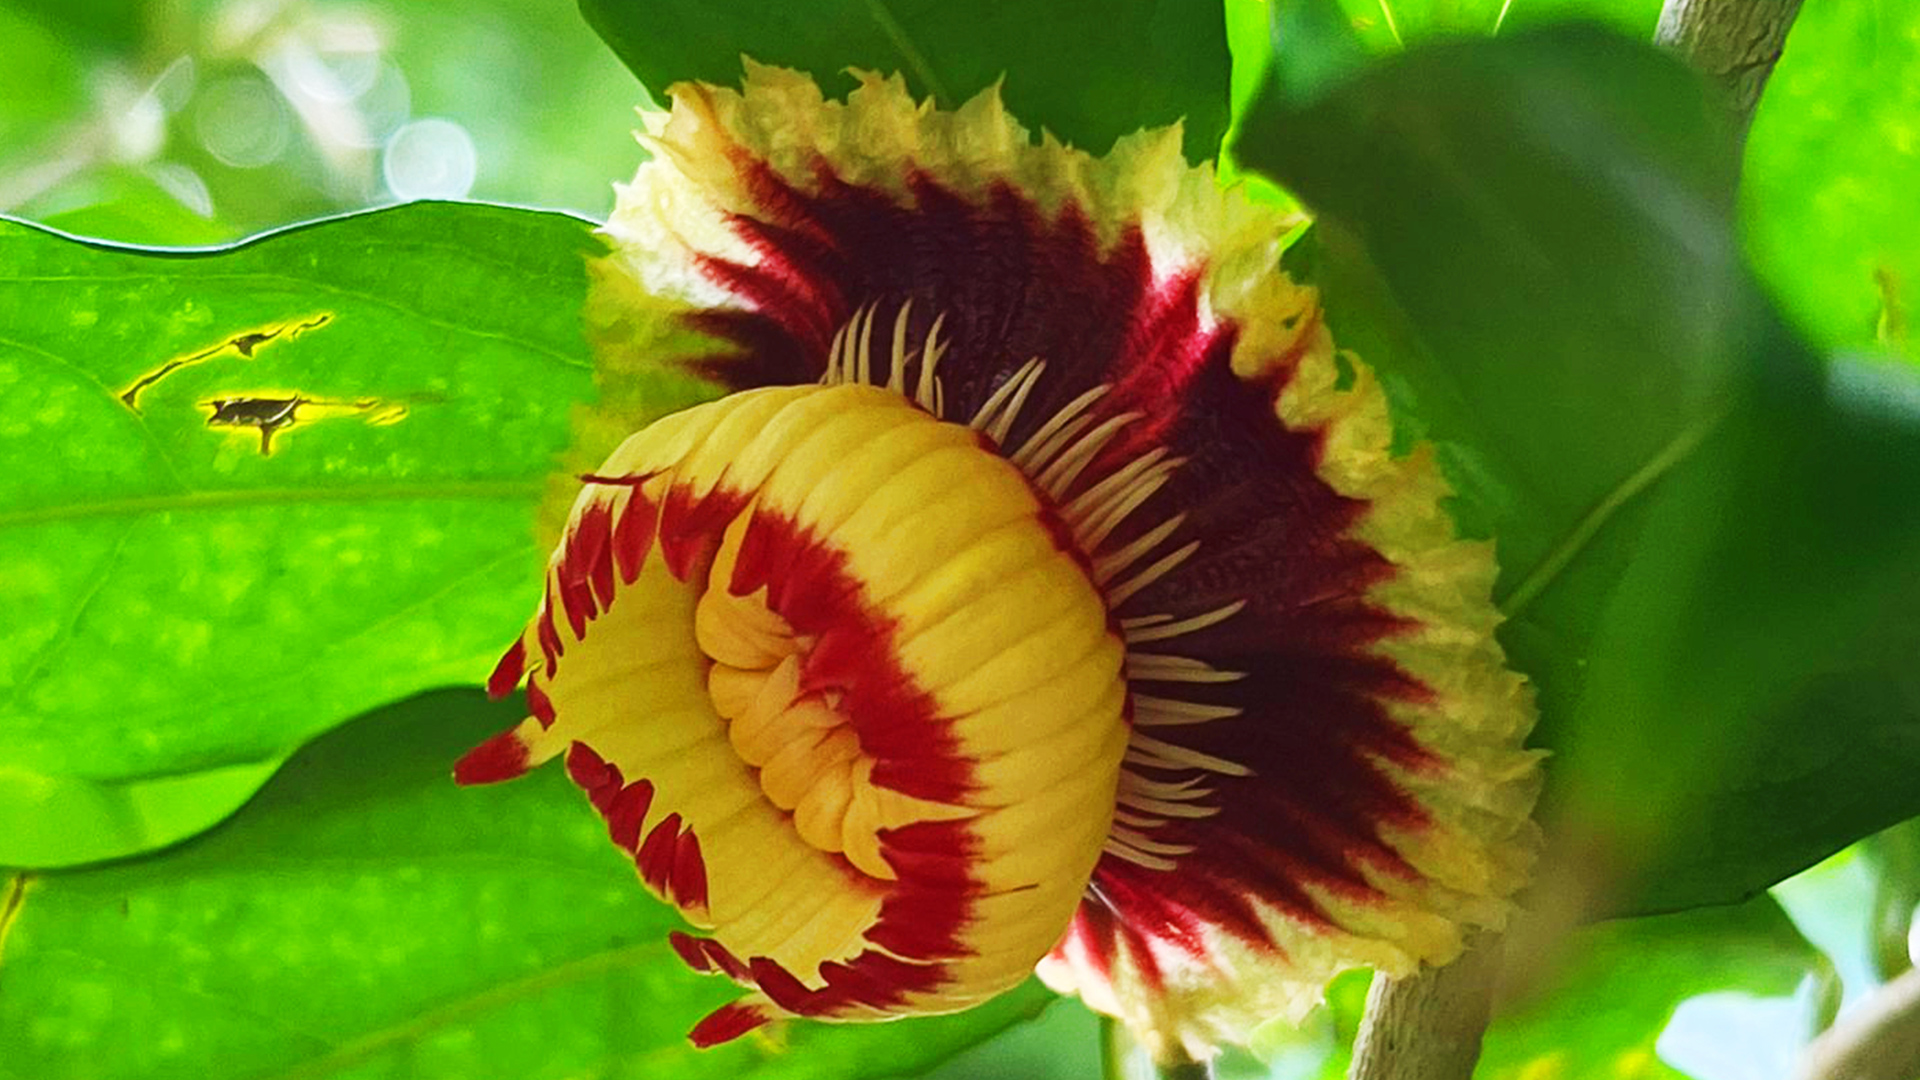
[[1832, 166], [1088, 72], [365, 917], [255, 491]]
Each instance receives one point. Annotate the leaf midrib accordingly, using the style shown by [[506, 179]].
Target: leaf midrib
[[1670, 456]]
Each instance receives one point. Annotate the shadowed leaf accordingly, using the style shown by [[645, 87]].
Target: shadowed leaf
[[1087, 71], [365, 917]]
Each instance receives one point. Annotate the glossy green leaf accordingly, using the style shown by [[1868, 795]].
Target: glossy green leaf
[[1634, 18], [1833, 162], [1702, 541], [182, 604], [55, 820], [1386, 25], [1087, 70], [365, 917]]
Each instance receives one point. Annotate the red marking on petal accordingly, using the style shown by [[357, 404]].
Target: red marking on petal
[[727, 1023], [655, 859], [502, 757], [779, 984], [626, 811], [576, 599], [690, 529], [1092, 936], [509, 671], [633, 536], [922, 924], [589, 770], [539, 704], [767, 288], [549, 637], [932, 854], [872, 978], [735, 968], [1165, 349], [690, 951], [592, 551], [689, 874], [852, 656]]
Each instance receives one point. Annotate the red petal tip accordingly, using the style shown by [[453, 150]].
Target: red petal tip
[[506, 675], [502, 757], [727, 1023]]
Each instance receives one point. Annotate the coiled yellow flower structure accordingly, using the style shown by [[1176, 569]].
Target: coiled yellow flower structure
[[1041, 592]]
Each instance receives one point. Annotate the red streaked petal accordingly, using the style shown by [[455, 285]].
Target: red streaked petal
[[509, 671], [727, 1023], [502, 757]]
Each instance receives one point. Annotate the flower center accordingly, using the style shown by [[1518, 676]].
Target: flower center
[[838, 680], [806, 752]]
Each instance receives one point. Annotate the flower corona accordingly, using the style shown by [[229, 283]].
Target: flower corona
[[1042, 590]]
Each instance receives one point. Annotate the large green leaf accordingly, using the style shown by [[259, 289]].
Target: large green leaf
[[1832, 165], [1088, 70], [365, 917], [1702, 542], [184, 609]]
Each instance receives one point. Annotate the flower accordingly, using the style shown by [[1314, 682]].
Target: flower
[[1043, 589]]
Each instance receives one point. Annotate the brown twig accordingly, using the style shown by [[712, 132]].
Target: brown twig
[[1878, 1040], [1428, 1026], [1733, 42]]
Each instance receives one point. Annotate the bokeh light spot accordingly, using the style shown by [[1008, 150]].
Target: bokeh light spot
[[242, 121], [430, 159]]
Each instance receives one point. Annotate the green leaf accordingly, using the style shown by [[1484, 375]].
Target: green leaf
[[1752, 703], [184, 607], [1832, 164], [1533, 317], [1613, 987], [1088, 71], [1705, 542], [1320, 47], [67, 820], [1387, 25], [365, 917]]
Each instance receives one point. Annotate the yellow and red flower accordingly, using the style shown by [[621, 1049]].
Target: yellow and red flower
[[1043, 590]]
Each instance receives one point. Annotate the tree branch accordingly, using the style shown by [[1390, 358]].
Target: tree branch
[[1428, 1026], [1878, 1040], [1733, 42]]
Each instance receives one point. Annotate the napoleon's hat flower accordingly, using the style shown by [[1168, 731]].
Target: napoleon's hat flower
[[1042, 591]]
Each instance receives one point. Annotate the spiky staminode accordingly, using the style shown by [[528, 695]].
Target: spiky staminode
[[1321, 742]]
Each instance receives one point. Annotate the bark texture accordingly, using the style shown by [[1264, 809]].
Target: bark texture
[[1878, 1040], [1733, 42], [1428, 1027]]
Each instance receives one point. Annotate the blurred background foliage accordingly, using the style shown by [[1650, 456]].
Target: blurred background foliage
[[191, 122], [198, 121]]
